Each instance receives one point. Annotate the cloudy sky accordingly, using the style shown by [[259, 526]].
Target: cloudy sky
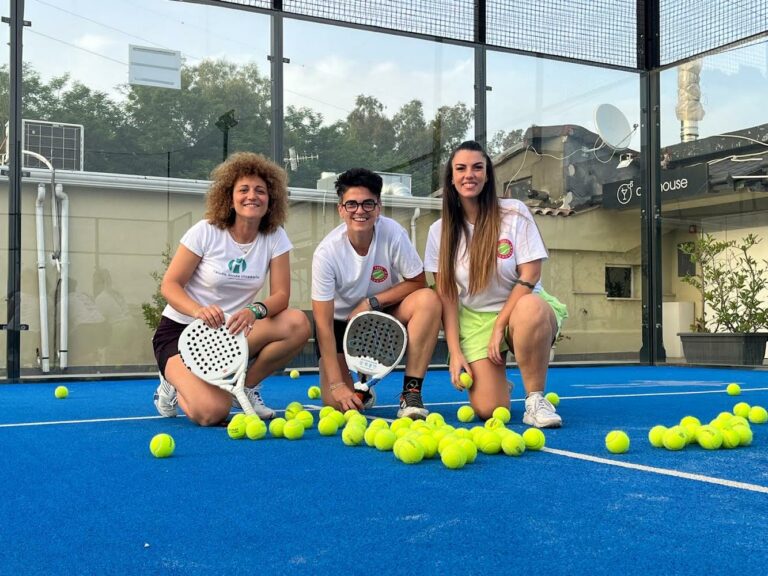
[[329, 66]]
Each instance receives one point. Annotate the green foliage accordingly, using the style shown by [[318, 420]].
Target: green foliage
[[153, 311], [733, 285]]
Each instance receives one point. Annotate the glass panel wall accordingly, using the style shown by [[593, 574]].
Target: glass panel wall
[[131, 103], [5, 38], [714, 195], [565, 141]]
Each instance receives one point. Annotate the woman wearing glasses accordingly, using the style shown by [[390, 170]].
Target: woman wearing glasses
[[368, 263]]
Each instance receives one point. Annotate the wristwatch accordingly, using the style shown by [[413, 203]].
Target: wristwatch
[[259, 310], [373, 302]]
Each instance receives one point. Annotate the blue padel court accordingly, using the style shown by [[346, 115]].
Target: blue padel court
[[81, 493]]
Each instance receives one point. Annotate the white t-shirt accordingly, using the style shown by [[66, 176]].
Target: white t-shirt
[[519, 242], [226, 275], [342, 275]]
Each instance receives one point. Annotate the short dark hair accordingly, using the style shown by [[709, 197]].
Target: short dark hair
[[359, 177]]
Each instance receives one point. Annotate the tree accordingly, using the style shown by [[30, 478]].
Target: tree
[[503, 140]]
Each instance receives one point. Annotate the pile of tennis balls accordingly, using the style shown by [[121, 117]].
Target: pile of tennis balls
[[412, 441], [727, 430]]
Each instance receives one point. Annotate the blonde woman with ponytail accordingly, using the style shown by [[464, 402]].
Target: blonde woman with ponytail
[[486, 255]]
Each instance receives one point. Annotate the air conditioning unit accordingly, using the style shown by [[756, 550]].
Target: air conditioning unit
[[61, 144]]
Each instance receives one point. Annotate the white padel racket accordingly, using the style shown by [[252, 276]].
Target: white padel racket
[[218, 357], [374, 344]]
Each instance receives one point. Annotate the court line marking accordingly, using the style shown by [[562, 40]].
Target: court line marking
[[89, 421], [663, 471]]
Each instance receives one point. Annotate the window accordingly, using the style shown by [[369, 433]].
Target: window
[[685, 266], [618, 281]]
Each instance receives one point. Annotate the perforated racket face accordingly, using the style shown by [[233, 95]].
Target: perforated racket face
[[374, 342], [212, 354]]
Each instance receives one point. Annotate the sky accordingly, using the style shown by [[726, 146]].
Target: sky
[[330, 65]]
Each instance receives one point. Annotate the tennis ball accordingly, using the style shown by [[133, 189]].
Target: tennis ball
[[494, 423], [445, 441], [466, 380], [656, 436], [341, 420], [502, 413], [236, 428], [469, 447], [314, 392], [489, 442], [465, 414], [352, 435], [295, 374], [255, 429], [293, 429], [691, 425], [379, 423], [410, 451], [745, 434], [325, 411], [675, 438], [327, 426], [513, 444], [534, 439], [370, 436], [404, 422], [384, 440], [162, 445], [276, 427], [731, 438], [758, 415], [733, 389], [358, 420], [61, 392], [553, 398], [453, 457], [306, 418], [435, 419], [429, 444], [709, 437], [292, 409], [349, 413], [617, 442], [741, 409]]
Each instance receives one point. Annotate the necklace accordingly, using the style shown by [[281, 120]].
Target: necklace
[[245, 248]]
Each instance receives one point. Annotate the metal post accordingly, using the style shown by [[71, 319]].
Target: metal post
[[277, 60], [481, 101]]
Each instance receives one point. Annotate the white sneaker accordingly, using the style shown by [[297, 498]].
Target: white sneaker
[[540, 413], [254, 395], [166, 400]]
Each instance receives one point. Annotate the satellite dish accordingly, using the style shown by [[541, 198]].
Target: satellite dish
[[612, 126]]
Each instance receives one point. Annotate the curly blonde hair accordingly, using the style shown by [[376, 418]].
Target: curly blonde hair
[[219, 210]]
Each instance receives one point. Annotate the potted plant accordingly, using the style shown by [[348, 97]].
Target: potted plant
[[733, 287], [153, 311]]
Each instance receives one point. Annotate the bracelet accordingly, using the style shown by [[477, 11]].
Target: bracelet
[[333, 387], [526, 284], [258, 309]]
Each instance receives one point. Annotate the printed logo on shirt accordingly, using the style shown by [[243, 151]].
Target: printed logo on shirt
[[379, 274], [237, 266], [504, 249]]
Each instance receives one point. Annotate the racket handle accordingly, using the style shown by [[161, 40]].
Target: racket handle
[[245, 402]]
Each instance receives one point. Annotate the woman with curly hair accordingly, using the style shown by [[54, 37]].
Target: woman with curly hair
[[219, 267]]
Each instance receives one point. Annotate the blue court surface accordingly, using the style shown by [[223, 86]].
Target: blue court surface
[[81, 493]]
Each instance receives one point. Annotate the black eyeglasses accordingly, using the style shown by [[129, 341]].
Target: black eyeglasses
[[352, 205]]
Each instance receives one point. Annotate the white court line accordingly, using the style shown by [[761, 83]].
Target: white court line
[[663, 471], [125, 419]]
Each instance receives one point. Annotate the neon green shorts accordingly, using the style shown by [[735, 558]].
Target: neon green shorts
[[475, 328]]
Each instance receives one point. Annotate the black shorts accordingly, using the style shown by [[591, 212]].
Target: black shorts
[[339, 327], [166, 341]]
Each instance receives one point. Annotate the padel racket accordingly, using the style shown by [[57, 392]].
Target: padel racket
[[218, 357], [374, 344]]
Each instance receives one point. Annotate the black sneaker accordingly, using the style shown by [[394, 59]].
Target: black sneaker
[[411, 404]]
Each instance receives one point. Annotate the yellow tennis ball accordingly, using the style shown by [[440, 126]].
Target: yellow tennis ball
[[326, 410], [369, 436], [352, 435], [295, 374], [617, 442], [61, 392], [709, 437], [758, 415], [741, 409], [292, 409], [489, 442], [341, 420], [453, 457], [731, 438], [513, 444], [434, 419], [429, 444], [744, 432], [445, 441], [314, 392], [733, 389], [255, 429], [293, 429], [162, 445], [494, 423], [553, 398], [306, 418], [409, 451], [236, 428], [656, 436], [691, 425], [379, 423], [327, 426], [675, 438], [534, 439], [465, 414], [466, 380], [384, 440], [276, 427], [404, 422], [469, 447], [358, 420], [502, 413], [349, 413]]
